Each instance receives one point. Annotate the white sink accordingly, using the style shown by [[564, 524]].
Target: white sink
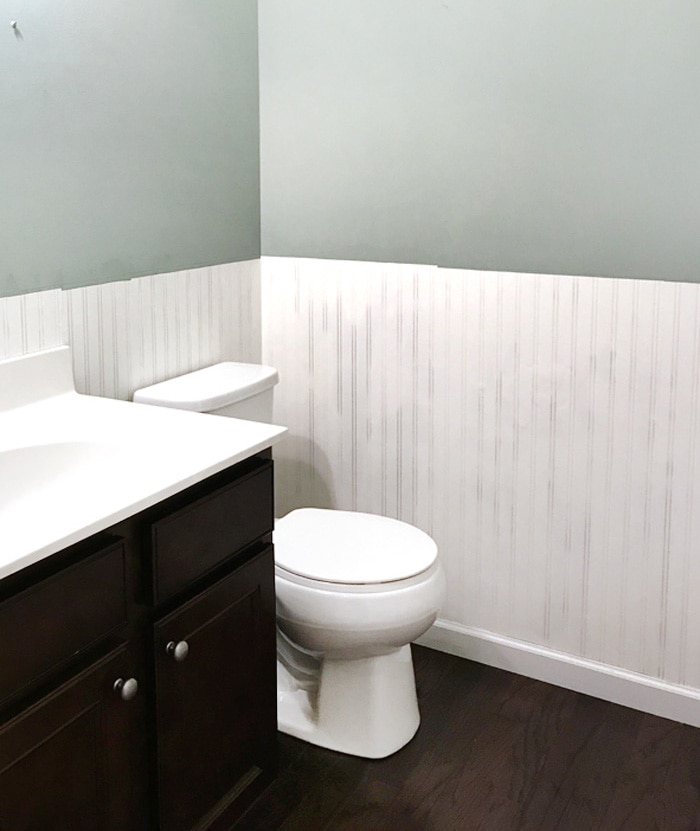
[[72, 465], [38, 469]]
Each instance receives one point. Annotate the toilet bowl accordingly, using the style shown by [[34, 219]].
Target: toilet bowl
[[353, 590]]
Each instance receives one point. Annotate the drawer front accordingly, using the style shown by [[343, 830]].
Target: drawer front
[[190, 542], [50, 623]]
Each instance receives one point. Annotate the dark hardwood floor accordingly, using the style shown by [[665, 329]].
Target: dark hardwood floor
[[500, 752]]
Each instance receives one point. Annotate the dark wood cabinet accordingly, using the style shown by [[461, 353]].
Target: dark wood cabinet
[[45, 626], [199, 536], [70, 761], [215, 697], [137, 669]]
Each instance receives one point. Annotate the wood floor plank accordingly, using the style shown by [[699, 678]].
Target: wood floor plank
[[579, 778], [658, 785], [484, 773], [496, 752], [334, 775], [310, 784]]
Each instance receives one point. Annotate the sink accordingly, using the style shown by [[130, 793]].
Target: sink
[[25, 472], [72, 465]]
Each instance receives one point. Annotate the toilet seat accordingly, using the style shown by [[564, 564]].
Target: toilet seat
[[325, 586], [348, 549]]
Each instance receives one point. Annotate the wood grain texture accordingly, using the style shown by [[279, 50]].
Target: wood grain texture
[[132, 333], [545, 430], [496, 752], [50, 623]]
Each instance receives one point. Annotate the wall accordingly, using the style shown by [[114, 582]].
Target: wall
[[129, 334], [129, 139], [558, 138], [544, 429]]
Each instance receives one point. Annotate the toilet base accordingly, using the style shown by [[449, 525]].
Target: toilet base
[[364, 707]]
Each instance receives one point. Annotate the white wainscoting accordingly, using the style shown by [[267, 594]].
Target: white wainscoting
[[128, 334], [543, 429]]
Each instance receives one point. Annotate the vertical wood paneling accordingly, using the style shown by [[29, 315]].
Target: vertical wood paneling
[[128, 334], [31, 322], [135, 333], [686, 614], [543, 429]]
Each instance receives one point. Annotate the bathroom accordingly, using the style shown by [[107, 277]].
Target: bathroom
[[464, 235]]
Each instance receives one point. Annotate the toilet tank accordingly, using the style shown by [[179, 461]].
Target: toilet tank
[[228, 389]]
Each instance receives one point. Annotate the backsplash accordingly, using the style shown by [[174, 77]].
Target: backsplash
[[544, 429], [128, 334]]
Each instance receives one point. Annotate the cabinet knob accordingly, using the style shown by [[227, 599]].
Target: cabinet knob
[[126, 689], [179, 651]]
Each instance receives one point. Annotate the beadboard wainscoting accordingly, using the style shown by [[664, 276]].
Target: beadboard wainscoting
[[129, 334], [544, 429]]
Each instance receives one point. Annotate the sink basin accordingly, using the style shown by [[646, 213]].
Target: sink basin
[[25, 472], [72, 465]]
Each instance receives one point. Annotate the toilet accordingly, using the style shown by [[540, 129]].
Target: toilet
[[353, 590]]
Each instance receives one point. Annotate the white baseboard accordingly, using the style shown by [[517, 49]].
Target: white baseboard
[[631, 689]]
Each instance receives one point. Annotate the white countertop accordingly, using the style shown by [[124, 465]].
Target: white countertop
[[72, 465]]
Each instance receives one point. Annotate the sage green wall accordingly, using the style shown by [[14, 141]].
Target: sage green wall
[[130, 139], [524, 135]]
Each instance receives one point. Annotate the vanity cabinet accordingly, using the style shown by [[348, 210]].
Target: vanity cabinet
[[137, 668], [215, 695], [67, 762]]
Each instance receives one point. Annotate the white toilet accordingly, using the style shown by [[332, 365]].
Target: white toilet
[[353, 590]]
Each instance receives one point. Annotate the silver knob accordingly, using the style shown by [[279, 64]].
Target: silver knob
[[179, 651], [126, 689]]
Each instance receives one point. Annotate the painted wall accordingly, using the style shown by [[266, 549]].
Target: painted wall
[[544, 429], [129, 136], [544, 137]]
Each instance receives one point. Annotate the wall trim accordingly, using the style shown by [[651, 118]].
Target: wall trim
[[620, 686]]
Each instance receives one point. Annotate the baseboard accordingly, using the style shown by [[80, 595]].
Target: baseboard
[[631, 689]]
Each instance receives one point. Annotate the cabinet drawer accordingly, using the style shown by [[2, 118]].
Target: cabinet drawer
[[193, 540], [48, 624]]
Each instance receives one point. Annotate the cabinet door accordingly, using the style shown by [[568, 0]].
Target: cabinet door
[[68, 763], [216, 699]]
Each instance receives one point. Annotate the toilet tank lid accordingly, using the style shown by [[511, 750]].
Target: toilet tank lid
[[351, 547], [210, 388]]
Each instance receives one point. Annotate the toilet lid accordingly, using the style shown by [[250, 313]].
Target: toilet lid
[[350, 547]]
